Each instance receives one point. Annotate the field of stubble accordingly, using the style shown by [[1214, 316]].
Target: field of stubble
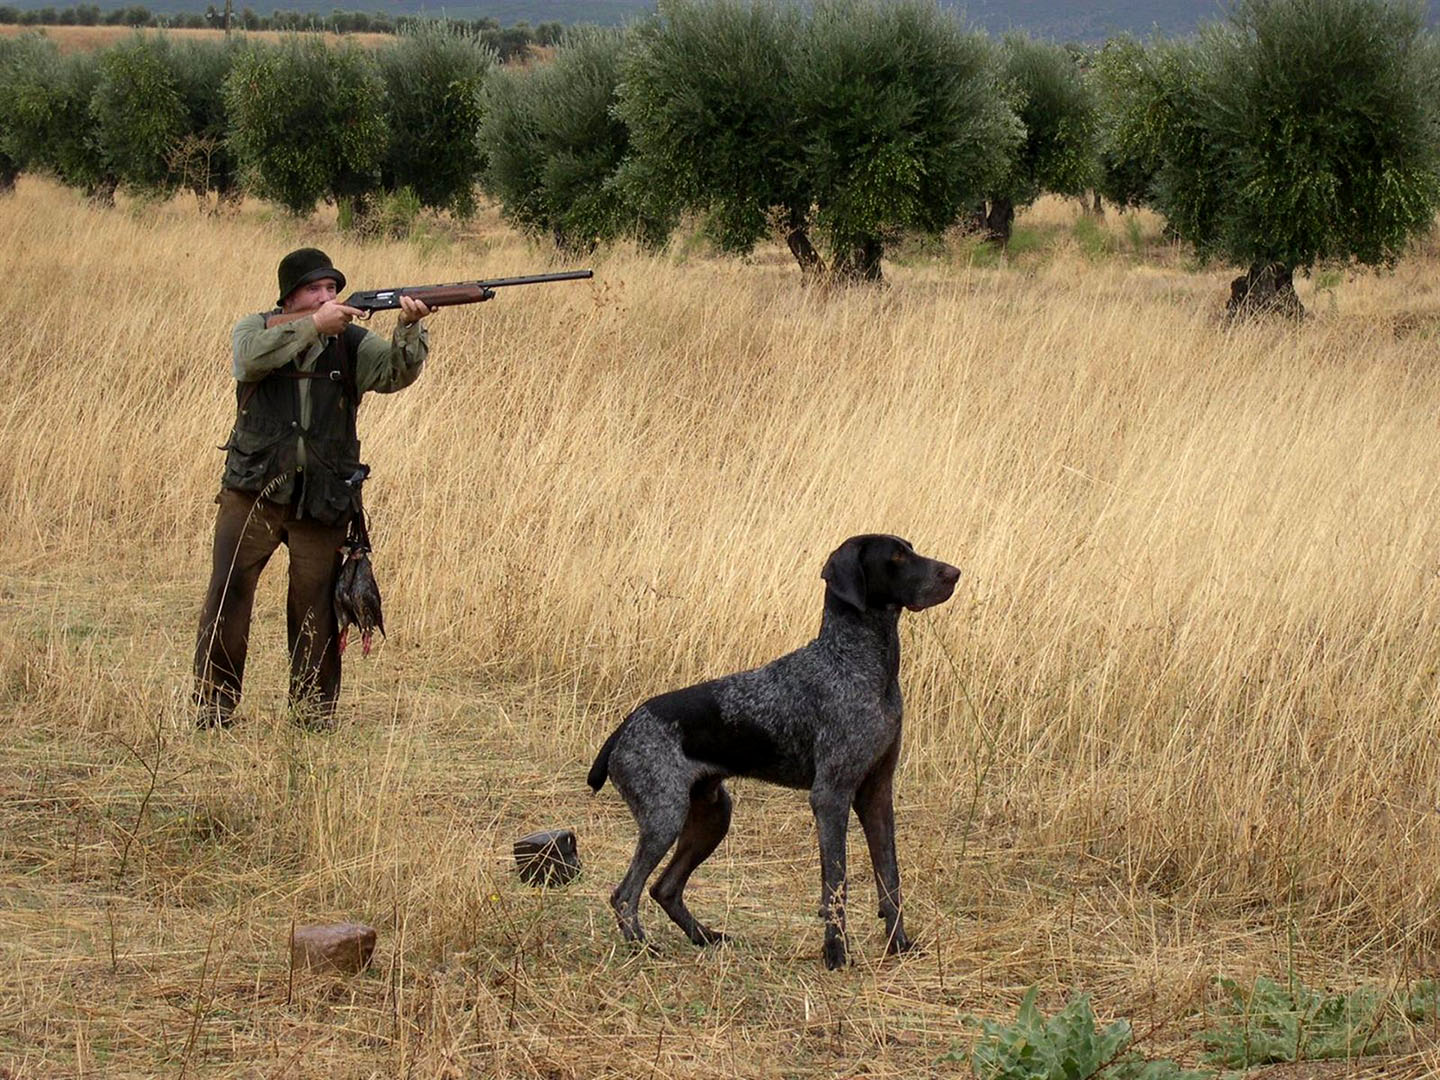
[[1178, 722]]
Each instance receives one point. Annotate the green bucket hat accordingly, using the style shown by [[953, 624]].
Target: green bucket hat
[[304, 266]]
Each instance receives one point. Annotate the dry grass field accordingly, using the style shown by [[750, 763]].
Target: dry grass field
[[85, 38], [1178, 722]]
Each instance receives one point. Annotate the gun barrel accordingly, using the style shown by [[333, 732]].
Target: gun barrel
[[452, 293], [538, 279]]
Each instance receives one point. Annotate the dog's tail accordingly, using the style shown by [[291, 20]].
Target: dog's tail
[[600, 771]]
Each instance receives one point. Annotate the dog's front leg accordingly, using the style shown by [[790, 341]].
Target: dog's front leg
[[832, 816], [875, 807]]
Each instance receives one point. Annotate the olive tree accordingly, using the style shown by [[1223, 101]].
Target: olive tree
[[12, 160], [554, 146], [307, 122], [202, 161], [139, 114], [48, 125], [1321, 120], [434, 81], [707, 92], [1058, 110], [1124, 97], [903, 123]]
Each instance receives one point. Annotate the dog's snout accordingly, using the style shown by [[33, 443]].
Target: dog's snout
[[949, 574]]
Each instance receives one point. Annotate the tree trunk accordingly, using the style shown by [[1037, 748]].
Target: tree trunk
[[359, 214], [102, 192], [1265, 289], [860, 262], [798, 240], [999, 221]]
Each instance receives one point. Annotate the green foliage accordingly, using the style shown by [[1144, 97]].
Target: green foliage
[[904, 124], [1126, 135], [47, 124], [203, 161], [1066, 1046], [397, 213], [707, 94], [1270, 1022], [1157, 137], [1058, 110], [307, 122], [139, 114], [1325, 115], [434, 82], [554, 146], [10, 161]]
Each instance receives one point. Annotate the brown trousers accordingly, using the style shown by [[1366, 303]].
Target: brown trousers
[[248, 529]]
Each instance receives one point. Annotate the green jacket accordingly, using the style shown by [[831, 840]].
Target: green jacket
[[294, 438]]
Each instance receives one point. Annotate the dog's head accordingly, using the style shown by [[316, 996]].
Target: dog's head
[[878, 571]]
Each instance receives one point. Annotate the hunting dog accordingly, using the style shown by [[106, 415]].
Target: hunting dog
[[824, 718]]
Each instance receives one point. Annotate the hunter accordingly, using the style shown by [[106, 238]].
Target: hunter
[[292, 473]]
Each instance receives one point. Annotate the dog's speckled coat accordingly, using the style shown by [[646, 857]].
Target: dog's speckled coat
[[825, 718]]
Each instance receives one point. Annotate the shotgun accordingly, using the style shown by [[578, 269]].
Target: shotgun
[[436, 296]]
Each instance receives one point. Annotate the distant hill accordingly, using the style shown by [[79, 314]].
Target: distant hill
[[1057, 20]]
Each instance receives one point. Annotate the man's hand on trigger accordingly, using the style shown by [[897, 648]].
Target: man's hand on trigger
[[332, 316], [411, 310]]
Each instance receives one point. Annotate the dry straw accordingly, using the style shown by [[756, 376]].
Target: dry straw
[[1178, 721]]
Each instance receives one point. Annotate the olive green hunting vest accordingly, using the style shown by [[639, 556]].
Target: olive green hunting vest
[[264, 445]]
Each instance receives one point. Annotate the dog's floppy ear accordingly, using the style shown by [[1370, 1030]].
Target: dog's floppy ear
[[844, 574]]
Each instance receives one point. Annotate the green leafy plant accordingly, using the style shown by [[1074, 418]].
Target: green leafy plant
[[707, 92], [202, 160], [1299, 133], [1094, 242], [47, 124], [1269, 1022], [397, 214], [1066, 1046], [139, 112]]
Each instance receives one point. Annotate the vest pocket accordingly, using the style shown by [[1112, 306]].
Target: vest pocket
[[328, 498], [253, 458]]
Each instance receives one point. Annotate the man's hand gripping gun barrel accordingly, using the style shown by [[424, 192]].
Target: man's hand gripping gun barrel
[[369, 301]]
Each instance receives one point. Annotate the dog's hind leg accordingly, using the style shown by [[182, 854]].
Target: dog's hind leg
[[705, 826], [660, 815]]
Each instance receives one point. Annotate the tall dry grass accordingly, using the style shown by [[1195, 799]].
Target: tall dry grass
[[1179, 719]]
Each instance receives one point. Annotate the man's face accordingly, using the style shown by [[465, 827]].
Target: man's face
[[310, 296]]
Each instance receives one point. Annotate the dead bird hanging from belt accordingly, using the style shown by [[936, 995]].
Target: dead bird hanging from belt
[[357, 596]]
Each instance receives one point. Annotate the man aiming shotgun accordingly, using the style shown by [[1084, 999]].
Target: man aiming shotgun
[[291, 465]]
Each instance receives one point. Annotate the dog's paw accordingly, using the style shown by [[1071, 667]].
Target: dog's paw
[[836, 956], [899, 943], [648, 949], [705, 937]]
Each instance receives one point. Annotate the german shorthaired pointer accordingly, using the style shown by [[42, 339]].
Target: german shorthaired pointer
[[825, 718]]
